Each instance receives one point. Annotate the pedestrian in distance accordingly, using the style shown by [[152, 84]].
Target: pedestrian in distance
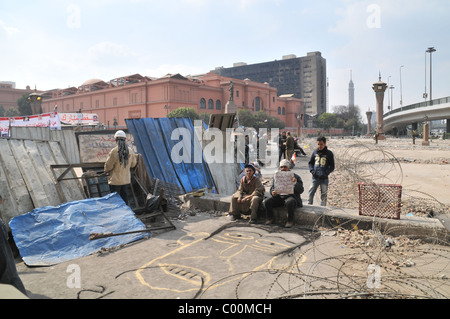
[[321, 164], [298, 148], [290, 201], [282, 146], [248, 196], [118, 164], [290, 145]]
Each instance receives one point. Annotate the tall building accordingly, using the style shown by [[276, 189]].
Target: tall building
[[351, 92], [304, 77]]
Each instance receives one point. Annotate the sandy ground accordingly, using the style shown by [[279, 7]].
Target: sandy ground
[[422, 171], [266, 262]]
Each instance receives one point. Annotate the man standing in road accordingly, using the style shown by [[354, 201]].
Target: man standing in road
[[290, 144], [321, 164], [118, 164], [282, 146]]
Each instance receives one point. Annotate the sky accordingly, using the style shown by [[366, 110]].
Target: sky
[[58, 44]]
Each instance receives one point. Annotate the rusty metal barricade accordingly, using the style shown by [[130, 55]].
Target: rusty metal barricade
[[380, 200]]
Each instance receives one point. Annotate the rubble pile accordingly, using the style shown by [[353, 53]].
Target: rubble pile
[[184, 213], [343, 193], [371, 239], [423, 207]]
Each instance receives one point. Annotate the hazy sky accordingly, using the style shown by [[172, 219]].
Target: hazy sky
[[57, 44]]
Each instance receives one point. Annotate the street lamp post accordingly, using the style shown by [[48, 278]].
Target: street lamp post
[[425, 94], [167, 109], [401, 90], [389, 95], [392, 97], [35, 100], [430, 51]]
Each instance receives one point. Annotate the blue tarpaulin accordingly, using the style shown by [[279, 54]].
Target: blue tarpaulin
[[152, 137], [54, 234]]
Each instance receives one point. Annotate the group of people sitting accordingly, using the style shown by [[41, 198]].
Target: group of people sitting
[[249, 197]]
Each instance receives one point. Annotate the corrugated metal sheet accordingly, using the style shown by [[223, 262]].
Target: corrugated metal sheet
[[66, 136], [26, 179], [152, 137]]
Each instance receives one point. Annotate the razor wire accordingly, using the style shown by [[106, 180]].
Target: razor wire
[[409, 268]]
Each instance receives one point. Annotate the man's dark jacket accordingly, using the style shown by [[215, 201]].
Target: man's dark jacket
[[321, 163]]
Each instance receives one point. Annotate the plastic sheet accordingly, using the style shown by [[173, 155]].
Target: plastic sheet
[[152, 137], [55, 234]]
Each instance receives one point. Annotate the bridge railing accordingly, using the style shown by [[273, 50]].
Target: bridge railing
[[418, 105]]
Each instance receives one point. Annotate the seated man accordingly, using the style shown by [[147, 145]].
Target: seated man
[[298, 149], [242, 174], [8, 271], [249, 195], [290, 201]]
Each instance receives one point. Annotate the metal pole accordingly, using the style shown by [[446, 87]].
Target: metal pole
[[389, 98], [392, 96], [431, 78], [425, 93], [431, 50], [401, 90]]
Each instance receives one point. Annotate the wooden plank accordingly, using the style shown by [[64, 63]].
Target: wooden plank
[[47, 154], [20, 199], [8, 207], [70, 146], [74, 188], [45, 178], [29, 173]]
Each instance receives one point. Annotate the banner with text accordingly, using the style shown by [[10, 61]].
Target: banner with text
[[50, 120], [79, 118]]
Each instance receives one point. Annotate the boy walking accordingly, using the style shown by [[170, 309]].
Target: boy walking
[[321, 164]]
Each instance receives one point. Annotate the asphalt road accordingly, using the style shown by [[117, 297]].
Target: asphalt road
[[209, 257]]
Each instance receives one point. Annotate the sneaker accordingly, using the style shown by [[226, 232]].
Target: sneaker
[[289, 224], [269, 222], [252, 221]]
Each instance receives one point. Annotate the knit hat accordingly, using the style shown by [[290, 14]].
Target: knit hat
[[285, 162]]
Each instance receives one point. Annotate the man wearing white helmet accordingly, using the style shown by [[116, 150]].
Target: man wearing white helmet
[[118, 164]]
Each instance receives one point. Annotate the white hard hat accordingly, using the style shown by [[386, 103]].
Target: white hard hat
[[120, 134]]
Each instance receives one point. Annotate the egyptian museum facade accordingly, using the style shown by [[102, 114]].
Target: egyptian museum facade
[[136, 96]]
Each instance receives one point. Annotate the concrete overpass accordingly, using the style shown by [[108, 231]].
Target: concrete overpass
[[438, 109]]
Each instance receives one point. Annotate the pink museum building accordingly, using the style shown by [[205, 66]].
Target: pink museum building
[[9, 95], [137, 96]]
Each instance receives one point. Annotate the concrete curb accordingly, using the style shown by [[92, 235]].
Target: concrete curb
[[312, 217]]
